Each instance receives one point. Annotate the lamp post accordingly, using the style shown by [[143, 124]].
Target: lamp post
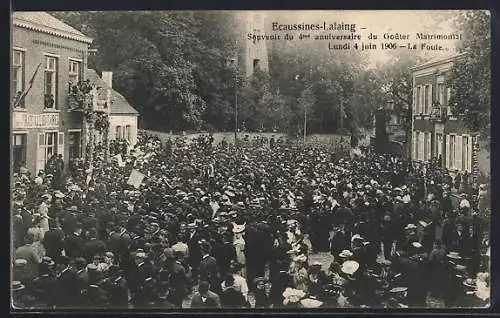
[[234, 69]]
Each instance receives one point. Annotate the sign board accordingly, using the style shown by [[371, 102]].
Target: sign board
[[135, 179], [23, 120]]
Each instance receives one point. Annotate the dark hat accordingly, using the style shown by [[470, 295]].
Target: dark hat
[[169, 252]]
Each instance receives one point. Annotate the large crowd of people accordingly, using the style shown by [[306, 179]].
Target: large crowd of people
[[210, 225]]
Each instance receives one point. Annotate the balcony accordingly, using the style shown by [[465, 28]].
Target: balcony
[[438, 113], [83, 97]]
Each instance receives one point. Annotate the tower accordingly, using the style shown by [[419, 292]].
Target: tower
[[253, 55]]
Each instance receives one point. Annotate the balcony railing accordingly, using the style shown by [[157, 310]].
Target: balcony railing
[[84, 97]]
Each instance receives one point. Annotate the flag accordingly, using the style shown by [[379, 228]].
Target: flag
[[121, 163], [135, 178], [23, 95]]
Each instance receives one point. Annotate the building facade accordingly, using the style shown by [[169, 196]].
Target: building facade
[[436, 131], [123, 118], [47, 55]]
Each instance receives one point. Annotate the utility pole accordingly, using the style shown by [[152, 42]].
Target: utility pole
[[235, 107], [341, 115], [305, 123]]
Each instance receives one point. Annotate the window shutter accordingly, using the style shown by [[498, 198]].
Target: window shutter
[[429, 100], [447, 155], [414, 100], [414, 146], [469, 159], [429, 151], [458, 153], [40, 153], [60, 143], [420, 150]]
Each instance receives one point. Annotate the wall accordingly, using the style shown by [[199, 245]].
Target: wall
[[123, 120]]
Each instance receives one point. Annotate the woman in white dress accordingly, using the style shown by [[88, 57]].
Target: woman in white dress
[[37, 232]]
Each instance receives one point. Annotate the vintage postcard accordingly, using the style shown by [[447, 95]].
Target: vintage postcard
[[250, 159]]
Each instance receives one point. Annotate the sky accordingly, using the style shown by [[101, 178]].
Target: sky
[[379, 22]]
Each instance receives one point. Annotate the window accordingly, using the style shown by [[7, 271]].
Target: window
[[439, 145], [74, 145], [428, 98], [415, 94], [418, 111], [448, 95], [74, 72], [441, 94], [118, 132], [50, 145], [421, 147], [127, 132], [50, 85], [422, 100], [452, 152], [416, 145], [17, 76], [427, 146], [19, 151], [256, 64]]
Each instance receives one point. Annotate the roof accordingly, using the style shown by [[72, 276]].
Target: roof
[[437, 61], [46, 23], [119, 104]]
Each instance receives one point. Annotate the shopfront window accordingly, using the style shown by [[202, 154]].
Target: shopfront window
[[19, 151]]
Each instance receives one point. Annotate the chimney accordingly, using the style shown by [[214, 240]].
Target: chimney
[[108, 78]]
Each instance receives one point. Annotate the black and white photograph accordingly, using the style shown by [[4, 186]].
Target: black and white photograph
[[303, 159]]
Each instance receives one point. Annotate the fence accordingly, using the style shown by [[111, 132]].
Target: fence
[[331, 140]]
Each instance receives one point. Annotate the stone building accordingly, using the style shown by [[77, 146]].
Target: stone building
[[47, 55]]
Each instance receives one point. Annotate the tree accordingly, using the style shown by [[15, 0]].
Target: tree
[[470, 77]]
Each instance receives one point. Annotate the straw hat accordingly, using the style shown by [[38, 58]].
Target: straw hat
[[311, 303], [237, 228], [410, 227], [356, 237], [20, 262], [345, 254], [350, 267], [293, 295], [58, 194], [416, 245], [453, 255]]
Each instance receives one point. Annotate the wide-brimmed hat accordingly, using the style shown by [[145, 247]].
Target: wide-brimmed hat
[[416, 245], [238, 228], [350, 267], [345, 254], [58, 194], [293, 295], [396, 290], [410, 227], [48, 261], [259, 280], [17, 286], [356, 237], [311, 303], [20, 262], [453, 255]]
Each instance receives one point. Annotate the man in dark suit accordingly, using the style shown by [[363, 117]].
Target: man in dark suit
[[93, 246], [279, 284], [231, 297], [208, 267], [205, 298], [53, 242], [67, 283], [178, 281], [74, 244]]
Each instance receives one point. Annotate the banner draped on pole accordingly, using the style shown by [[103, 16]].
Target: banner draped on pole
[[135, 178]]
